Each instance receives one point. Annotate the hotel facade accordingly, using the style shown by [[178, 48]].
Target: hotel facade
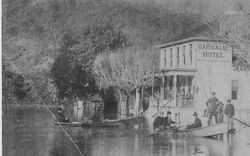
[[191, 69]]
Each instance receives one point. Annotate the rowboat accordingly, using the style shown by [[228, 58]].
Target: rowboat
[[111, 123], [207, 131], [105, 123], [68, 124]]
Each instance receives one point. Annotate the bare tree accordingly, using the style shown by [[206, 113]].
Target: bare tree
[[238, 33], [126, 70], [234, 26]]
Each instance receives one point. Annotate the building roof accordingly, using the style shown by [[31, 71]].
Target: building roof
[[201, 33], [189, 40]]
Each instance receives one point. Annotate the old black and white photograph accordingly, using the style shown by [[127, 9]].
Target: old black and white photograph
[[125, 77]]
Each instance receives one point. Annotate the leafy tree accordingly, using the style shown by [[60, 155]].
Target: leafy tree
[[72, 68], [14, 85], [70, 80], [94, 40]]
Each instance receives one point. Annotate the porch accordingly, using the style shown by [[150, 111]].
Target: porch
[[178, 88]]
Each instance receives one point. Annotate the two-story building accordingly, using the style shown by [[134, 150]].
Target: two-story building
[[191, 69], [194, 67]]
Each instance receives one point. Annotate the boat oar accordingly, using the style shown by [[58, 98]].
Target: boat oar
[[241, 122], [164, 106]]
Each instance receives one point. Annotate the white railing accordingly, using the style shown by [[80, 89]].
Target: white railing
[[186, 103]]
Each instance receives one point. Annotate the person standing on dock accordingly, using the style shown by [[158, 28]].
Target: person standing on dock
[[229, 112], [220, 113], [212, 105]]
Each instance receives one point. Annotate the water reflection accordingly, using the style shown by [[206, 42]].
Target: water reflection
[[32, 132]]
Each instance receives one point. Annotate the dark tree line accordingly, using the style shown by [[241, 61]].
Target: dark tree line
[[72, 69]]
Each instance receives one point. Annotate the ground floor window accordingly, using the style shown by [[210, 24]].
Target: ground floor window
[[235, 89], [185, 93]]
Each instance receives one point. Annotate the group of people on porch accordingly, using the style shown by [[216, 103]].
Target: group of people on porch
[[214, 109], [184, 95]]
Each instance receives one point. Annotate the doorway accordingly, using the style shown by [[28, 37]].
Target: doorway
[[110, 110]]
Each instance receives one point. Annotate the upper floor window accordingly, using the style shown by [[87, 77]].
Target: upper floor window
[[184, 55], [165, 58], [171, 57], [178, 56], [190, 54]]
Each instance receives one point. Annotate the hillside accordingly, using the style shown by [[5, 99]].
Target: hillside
[[37, 30]]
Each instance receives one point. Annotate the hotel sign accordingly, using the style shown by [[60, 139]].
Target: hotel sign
[[213, 52], [207, 54], [209, 46]]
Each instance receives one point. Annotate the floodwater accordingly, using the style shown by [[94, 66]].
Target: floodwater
[[31, 132]]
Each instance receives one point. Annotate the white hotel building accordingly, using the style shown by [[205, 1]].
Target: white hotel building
[[191, 69]]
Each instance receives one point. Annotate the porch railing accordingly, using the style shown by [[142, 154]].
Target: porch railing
[[186, 103]]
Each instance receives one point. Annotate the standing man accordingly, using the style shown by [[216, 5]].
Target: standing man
[[230, 112], [212, 105]]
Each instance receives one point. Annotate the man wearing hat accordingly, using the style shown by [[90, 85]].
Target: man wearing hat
[[197, 122], [212, 105], [168, 120], [230, 112], [159, 122]]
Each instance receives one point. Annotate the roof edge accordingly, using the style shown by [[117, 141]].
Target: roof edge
[[185, 40]]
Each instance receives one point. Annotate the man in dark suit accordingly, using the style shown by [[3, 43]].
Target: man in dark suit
[[230, 112], [168, 120], [197, 122], [212, 105], [159, 122]]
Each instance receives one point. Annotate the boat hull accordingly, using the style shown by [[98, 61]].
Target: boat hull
[[69, 124], [207, 131], [107, 123]]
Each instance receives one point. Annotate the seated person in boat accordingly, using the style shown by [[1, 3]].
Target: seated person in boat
[[96, 117], [85, 119], [168, 120], [60, 116], [197, 122], [159, 122]]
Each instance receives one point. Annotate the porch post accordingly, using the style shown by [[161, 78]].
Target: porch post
[[175, 90], [162, 88], [153, 87]]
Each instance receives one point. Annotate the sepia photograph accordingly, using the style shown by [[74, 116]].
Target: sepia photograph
[[125, 77]]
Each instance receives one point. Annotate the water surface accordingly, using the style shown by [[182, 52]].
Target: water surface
[[30, 132]]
